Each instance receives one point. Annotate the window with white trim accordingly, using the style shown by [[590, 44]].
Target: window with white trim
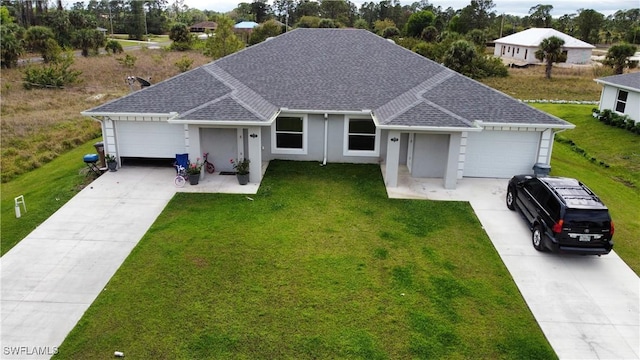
[[290, 135], [621, 102], [361, 137]]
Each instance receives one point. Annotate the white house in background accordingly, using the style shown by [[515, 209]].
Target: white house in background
[[522, 46], [621, 93]]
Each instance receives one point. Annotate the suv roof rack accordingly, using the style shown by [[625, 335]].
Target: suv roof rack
[[572, 192]]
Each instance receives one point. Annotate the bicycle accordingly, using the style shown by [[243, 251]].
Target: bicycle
[[209, 166], [181, 176]]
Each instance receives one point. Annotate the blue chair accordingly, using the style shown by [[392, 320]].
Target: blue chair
[[181, 160]]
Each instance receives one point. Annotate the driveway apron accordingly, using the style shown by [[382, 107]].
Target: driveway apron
[[53, 275]]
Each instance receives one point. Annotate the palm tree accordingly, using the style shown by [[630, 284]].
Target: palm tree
[[460, 57], [618, 57], [550, 51]]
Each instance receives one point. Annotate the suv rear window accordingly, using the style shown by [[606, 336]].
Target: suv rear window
[[587, 218]]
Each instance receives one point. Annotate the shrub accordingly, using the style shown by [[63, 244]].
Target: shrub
[[429, 34], [114, 46], [308, 22], [128, 61], [390, 32], [269, 28], [614, 119], [326, 24], [418, 21], [361, 24], [489, 66], [181, 37], [184, 64], [11, 36], [55, 75], [87, 40], [51, 51]]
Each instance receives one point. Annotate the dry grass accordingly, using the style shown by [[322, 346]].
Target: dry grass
[[39, 125], [574, 83]]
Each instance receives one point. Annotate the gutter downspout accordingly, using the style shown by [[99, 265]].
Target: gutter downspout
[[326, 138], [553, 141]]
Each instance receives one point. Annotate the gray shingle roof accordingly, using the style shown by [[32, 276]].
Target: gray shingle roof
[[329, 70], [631, 80], [178, 94], [223, 109]]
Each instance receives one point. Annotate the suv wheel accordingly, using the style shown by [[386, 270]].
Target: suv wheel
[[536, 238], [511, 198]]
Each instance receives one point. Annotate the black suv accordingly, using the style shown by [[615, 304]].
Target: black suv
[[563, 214]]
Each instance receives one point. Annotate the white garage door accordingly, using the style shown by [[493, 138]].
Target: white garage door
[[149, 139], [501, 154]]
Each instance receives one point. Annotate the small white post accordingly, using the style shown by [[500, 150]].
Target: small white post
[[19, 200]]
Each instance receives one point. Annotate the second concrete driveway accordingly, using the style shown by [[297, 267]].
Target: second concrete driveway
[[587, 306], [53, 275]]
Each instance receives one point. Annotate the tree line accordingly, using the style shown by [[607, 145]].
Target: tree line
[[455, 37]]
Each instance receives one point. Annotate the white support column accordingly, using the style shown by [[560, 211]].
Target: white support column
[[393, 158], [109, 137], [192, 143], [240, 143], [451, 172], [255, 154], [546, 144]]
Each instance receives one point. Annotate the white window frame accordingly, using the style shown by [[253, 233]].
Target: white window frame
[[289, 151], [347, 152], [618, 101]]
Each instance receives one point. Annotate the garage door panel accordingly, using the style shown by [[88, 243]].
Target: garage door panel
[[501, 154], [150, 139]]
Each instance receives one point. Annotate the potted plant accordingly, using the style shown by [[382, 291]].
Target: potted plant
[[242, 170], [112, 164], [193, 170]]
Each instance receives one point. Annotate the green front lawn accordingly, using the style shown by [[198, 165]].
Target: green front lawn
[[319, 264]]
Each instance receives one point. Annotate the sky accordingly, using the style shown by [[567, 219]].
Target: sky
[[514, 7]]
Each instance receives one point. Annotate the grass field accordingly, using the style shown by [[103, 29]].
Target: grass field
[[565, 84], [320, 265]]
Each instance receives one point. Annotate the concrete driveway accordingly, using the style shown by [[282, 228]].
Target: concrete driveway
[[53, 275], [587, 306]]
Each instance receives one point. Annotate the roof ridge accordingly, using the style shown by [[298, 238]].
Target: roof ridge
[[245, 96], [410, 98]]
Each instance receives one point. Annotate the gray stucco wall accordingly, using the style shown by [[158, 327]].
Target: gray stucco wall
[[221, 146], [316, 142], [430, 155]]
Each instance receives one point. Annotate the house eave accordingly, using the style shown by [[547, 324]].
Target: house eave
[[120, 114], [225, 123], [232, 123], [527, 125], [618, 86], [447, 129]]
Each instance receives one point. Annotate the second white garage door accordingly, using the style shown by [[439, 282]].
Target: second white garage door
[[156, 139], [501, 154]]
